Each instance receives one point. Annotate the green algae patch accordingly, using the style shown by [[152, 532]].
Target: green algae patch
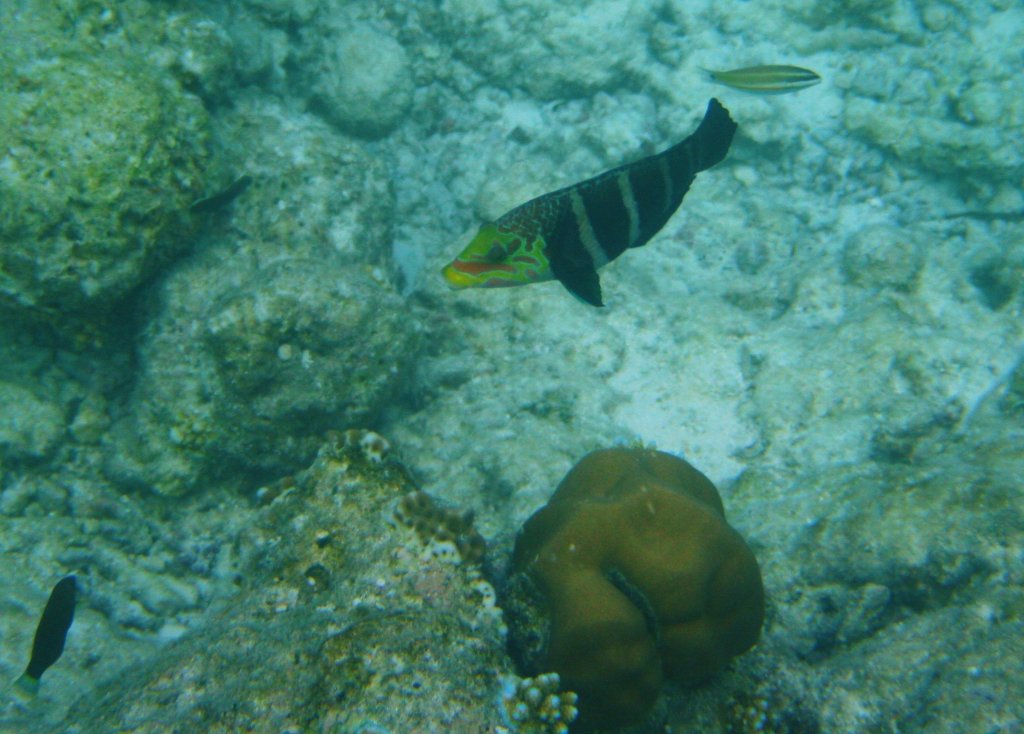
[[102, 157]]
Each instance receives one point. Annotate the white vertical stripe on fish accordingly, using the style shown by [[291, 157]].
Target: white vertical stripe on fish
[[587, 236], [626, 190]]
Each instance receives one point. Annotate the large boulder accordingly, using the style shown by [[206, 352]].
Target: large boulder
[[102, 156]]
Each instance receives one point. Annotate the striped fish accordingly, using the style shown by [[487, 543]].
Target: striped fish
[[569, 233], [768, 79]]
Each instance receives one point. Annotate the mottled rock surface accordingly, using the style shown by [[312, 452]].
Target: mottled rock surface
[[363, 82], [103, 153], [284, 326], [244, 374], [344, 621], [30, 425], [552, 51], [315, 193]]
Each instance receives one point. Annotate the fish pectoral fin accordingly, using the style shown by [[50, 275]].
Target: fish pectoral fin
[[573, 266], [580, 280]]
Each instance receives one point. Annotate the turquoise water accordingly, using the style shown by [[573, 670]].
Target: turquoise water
[[829, 328]]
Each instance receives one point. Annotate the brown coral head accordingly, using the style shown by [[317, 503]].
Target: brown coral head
[[641, 579]]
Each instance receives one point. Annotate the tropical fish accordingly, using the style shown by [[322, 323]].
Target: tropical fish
[[224, 197], [769, 79], [986, 216], [569, 233], [53, 627]]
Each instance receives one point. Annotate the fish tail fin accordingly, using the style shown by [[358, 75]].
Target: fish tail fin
[[713, 136], [26, 686]]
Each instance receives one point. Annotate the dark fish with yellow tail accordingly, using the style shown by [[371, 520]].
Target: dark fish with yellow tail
[[569, 233], [223, 197], [51, 632], [768, 79]]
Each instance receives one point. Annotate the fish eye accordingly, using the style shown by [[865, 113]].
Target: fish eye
[[495, 254]]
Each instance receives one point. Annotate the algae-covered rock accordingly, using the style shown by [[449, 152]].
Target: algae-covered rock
[[284, 12], [818, 14], [263, 341], [869, 389], [345, 622], [244, 369], [200, 54], [30, 426], [997, 276], [102, 156], [902, 582], [363, 80], [1013, 401], [315, 193]]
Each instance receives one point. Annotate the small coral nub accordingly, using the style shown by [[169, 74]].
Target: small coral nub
[[435, 524], [535, 705]]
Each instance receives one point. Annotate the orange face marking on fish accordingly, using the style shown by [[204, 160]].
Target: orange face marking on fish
[[479, 268], [497, 258]]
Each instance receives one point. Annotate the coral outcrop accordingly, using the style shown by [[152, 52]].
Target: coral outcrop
[[630, 575], [103, 153], [239, 380], [255, 347], [344, 622], [435, 524], [363, 82]]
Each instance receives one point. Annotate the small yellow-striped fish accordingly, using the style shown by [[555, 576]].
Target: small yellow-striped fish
[[768, 79]]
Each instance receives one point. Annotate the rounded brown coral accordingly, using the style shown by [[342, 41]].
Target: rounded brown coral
[[634, 576]]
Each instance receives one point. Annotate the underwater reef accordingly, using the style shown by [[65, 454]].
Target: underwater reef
[[104, 154], [221, 234], [347, 619]]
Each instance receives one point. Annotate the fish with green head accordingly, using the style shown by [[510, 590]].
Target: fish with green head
[[568, 234]]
